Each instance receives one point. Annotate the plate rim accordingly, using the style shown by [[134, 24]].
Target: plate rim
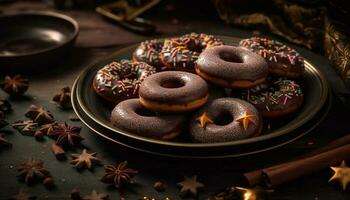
[[308, 130], [315, 70]]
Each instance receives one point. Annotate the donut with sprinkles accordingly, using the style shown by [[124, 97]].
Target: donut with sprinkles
[[181, 53], [282, 60], [148, 52], [276, 97], [118, 81]]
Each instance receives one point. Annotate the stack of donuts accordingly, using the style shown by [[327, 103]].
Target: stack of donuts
[[179, 86]]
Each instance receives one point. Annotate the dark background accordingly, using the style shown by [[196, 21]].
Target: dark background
[[98, 38]]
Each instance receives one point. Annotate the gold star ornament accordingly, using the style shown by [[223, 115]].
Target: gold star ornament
[[246, 119], [341, 174], [204, 120]]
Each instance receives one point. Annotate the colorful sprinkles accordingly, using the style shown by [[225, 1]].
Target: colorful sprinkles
[[148, 52], [181, 53], [275, 52], [280, 93], [122, 78]]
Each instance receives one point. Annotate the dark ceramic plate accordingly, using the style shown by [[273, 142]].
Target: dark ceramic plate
[[95, 113], [34, 39]]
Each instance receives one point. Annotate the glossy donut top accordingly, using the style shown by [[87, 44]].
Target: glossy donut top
[[276, 54], [148, 52], [277, 94], [232, 63], [121, 80], [234, 111], [130, 115], [186, 87], [180, 53]]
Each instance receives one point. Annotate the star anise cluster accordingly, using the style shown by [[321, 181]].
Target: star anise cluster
[[62, 99], [118, 174], [32, 170], [14, 86]]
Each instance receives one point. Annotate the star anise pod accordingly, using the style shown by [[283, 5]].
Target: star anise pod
[[16, 85], [190, 186], [22, 196], [118, 174], [5, 106], [39, 114], [32, 170], [27, 127], [3, 141], [66, 135], [96, 196], [85, 159], [45, 129], [62, 99]]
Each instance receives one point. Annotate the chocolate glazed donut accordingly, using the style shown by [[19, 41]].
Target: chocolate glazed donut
[[148, 52], [225, 119], [131, 116], [118, 81], [282, 60], [173, 91], [276, 97], [231, 67], [181, 53]]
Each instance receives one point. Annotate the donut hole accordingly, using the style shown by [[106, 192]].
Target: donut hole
[[223, 119], [230, 57], [144, 112], [172, 83]]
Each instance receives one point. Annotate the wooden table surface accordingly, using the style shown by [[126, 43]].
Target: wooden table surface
[[100, 38]]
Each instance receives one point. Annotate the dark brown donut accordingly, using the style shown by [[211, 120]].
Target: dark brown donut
[[131, 116], [148, 52], [276, 98], [173, 91], [225, 119], [231, 67], [282, 60], [121, 80], [181, 53]]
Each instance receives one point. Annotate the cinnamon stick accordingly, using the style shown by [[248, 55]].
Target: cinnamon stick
[[59, 153], [295, 169], [256, 176]]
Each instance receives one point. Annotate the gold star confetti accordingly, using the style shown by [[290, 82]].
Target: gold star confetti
[[246, 119], [204, 120], [342, 174]]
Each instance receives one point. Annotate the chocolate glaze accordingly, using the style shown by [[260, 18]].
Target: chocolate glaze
[[126, 116], [194, 87], [277, 55], [275, 97], [148, 52], [181, 53], [229, 132], [232, 63], [121, 80]]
